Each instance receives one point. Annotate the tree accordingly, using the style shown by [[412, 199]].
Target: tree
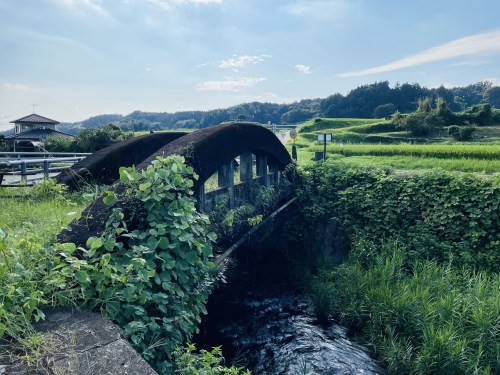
[[384, 110], [90, 140], [492, 96], [3, 144], [443, 111], [295, 115], [424, 105]]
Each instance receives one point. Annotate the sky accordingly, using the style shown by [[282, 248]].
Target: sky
[[72, 59]]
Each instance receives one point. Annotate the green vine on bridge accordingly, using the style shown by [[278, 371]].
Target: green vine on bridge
[[154, 279]]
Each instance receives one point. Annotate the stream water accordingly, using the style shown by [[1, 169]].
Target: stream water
[[268, 328]]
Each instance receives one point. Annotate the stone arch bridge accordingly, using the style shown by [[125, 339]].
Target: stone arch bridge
[[220, 150]]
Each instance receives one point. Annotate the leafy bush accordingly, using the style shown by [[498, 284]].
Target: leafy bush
[[205, 363], [439, 215], [152, 280], [466, 133], [454, 130]]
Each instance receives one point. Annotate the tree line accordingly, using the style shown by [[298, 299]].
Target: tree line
[[375, 100]]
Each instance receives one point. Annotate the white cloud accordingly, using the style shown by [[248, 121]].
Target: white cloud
[[167, 5], [203, 65], [494, 81], [94, 5], [241, 61], [162, 4], [304, 69], [151, 22], [323, 9], [485, 43], [470, 63], [19, 87], [201, 1], [229, 84], [268, 97]]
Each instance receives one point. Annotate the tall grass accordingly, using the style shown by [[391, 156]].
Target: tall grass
[[426, 319], [28, 226]]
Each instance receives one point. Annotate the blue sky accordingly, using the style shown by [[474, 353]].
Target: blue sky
[[79, 58]]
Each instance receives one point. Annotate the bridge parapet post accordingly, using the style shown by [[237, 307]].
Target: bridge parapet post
[[274, 174], [246, 167], [225, 179], [201, 198], [261, 161]]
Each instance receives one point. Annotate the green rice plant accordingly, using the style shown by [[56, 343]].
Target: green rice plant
[[443, 151], [408, 163]]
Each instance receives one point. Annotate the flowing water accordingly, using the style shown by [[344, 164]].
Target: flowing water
[[267, 327]]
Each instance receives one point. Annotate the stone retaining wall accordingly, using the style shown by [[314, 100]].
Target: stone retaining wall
[[79, 342]]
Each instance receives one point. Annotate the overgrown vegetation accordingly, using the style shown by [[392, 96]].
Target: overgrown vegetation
[[420, 318], [427, 120], [188, 362], [88, 140], [29, 221], [437, 214], [421, 283], [150, 271]]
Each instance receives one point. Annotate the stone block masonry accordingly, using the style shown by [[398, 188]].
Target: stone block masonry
[[79, 342]]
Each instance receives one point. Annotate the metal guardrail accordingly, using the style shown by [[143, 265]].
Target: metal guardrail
[[36, 166], [274, 128], [21, 155]]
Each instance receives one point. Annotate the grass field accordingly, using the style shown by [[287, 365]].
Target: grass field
[[375, 141]]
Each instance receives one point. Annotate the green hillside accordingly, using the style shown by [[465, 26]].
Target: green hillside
[[378, 142]]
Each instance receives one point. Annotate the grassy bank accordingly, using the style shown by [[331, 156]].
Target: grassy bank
[[424, 319], [421, 284]]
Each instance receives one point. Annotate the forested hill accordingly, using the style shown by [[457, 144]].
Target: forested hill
[[374, 100]]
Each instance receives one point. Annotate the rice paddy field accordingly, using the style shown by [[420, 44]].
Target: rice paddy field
[[376, 142]]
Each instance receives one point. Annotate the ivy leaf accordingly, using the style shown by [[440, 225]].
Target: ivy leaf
[[112, 309], [110, 198], [125, 175]]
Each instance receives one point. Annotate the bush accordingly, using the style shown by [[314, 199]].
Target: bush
[[454, 131], [466, 133], [153, 278], [188, 362], [439, 215]]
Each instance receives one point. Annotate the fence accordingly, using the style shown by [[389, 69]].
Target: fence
[[41, 167]]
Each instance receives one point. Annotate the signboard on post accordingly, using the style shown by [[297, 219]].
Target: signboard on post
[[324, 137]]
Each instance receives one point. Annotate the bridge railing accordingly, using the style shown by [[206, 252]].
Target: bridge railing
[[40, 168], [33, 155], [266, 174]]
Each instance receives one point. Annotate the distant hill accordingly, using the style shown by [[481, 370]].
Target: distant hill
[[368, 101]]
